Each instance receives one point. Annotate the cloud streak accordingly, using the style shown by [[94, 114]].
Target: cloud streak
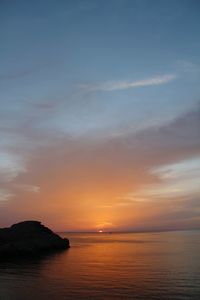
[[109, 86]]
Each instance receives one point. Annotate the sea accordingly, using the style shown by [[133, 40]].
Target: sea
[[109, 266]]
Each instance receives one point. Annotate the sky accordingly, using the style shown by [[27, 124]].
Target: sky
[[100, 114]]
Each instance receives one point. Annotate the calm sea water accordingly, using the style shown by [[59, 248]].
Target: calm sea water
[[110, 266]]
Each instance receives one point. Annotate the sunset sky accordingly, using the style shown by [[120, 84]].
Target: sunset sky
[[100, 114]]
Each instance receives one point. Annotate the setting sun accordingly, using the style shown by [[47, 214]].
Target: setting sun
[[100, 231]]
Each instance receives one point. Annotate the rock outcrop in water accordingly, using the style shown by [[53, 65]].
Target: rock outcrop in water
[[29, 238]]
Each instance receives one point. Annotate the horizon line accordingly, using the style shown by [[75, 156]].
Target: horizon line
[[132, 231]]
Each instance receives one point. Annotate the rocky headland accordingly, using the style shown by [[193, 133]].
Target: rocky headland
[[29, 238]]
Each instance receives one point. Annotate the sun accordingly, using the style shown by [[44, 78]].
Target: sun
[[100, 231]]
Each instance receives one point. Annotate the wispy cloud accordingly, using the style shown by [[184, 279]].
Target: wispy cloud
[[20, 73], [124, 172], [5, 194], [125, 84], [187, 66]]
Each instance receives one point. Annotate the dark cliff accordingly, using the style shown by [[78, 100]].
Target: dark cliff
[[29, 238]]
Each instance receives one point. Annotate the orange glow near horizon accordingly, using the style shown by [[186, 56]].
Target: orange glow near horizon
[[99, 121], [92, 192]]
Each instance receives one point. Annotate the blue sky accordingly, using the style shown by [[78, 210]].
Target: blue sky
[[90, 74]]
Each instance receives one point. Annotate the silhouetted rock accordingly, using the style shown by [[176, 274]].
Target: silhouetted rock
[[29, 238]]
